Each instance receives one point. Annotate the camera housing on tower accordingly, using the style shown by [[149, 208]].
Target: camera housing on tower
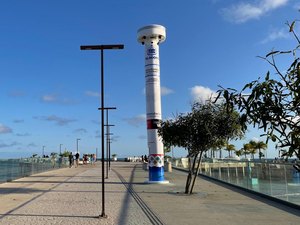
[[152, 33]]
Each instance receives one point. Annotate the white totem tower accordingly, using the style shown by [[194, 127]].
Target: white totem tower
[[151, 36]]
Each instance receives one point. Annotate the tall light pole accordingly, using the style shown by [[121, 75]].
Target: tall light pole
[[108, 141], [60, 148], [107, 137], [108, 147], [102, 48], [78, 139], [43, 151]]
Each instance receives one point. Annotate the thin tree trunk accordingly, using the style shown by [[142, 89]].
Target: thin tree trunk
[[189, 177], [197, 172]]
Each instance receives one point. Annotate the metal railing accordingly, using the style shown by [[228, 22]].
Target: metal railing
[[11, 169], [278, 180]]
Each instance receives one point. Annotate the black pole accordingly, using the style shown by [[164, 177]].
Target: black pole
[[108, 139], [102, 47], [102, 132], [107, 129]]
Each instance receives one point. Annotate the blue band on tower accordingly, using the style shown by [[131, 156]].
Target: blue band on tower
[[156, 173]]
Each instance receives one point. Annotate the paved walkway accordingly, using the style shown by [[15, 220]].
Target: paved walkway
[[73, 196]]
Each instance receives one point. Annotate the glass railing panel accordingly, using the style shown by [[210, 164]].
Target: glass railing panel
[[11, 169], [279, 180]]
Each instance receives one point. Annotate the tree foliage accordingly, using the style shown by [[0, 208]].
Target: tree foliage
[[198, 131], [273, 105]]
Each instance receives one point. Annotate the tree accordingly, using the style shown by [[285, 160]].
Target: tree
[[273, 105], [229, 148], [167, 149], [199, 131], [252, 148], [259, 145], [246, 149], [239, 152], [65, 153]]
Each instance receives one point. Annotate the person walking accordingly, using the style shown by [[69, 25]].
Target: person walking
[[77, 159], [70, 160]]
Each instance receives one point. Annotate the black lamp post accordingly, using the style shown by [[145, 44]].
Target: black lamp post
[[107, 137], [108, 147], [102, 48], [108, 143]]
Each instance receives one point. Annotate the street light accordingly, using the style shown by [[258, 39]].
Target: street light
[[60, 148], [43, 151], [78, 139], [108, 147], [102, 47], [109, 142]]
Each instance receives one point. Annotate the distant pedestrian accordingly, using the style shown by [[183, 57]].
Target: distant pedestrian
[[77, 159], [60, 161], [85, 159], [94, 158], [53, 160], [146, 158], [70, 160]]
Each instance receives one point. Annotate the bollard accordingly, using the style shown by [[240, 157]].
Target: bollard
[[168, 166]]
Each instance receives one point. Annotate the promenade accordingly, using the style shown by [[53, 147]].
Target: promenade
[[73, 196]]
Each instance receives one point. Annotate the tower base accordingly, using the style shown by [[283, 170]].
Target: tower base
[[157, 182]]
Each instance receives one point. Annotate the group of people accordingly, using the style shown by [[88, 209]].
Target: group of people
[[85, 159], [89, 158], [71, 159]]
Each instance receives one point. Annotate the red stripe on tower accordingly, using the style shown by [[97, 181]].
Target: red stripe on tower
[[153, 124]]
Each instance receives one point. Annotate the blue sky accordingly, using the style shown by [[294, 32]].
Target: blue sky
[[49, 89]]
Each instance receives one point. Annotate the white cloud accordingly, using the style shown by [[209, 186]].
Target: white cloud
[[18, 121], [80, 131], [23, 134], [55, 98], [92, 94], [3, 145], [4, 129], [166, 91], [49, 98], [58, 120], [242, 12], [33, 145], [276, 34], [201, 94], [136, 121]]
